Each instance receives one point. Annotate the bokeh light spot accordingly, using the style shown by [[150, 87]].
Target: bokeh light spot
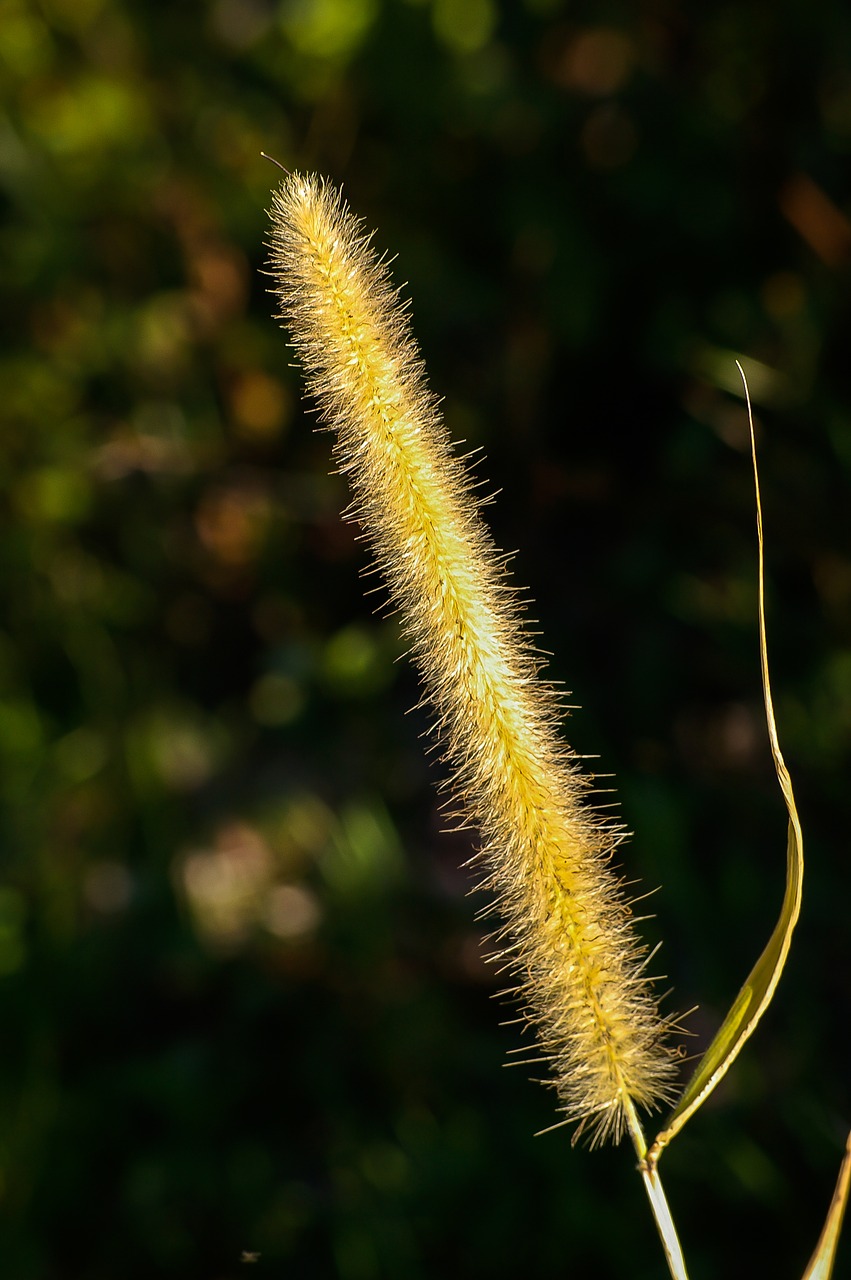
[[466, 27], [276, 700], [328, 29]]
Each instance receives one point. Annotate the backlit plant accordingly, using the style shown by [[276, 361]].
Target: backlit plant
[[545, 854]]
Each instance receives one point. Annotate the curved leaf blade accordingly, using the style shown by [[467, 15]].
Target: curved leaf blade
[[821, 1263], [759, 987]]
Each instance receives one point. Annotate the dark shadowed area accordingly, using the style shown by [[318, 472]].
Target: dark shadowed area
[[247, 1027]]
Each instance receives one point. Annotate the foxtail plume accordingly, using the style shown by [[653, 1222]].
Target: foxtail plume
[[567, 929]]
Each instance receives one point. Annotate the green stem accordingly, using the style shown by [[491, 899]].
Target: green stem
[[656, 1195]]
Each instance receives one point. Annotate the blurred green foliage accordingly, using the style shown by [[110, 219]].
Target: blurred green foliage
[[244, 1008]]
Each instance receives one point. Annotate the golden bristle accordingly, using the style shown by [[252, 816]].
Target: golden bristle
[[568, 934]]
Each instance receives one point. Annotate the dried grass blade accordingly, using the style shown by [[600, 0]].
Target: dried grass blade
[[821, 1263], [758, 990]]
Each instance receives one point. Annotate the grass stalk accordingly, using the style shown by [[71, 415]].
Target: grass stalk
[[566, 929], [659, 1206]]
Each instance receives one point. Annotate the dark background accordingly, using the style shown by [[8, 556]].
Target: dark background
[[242, 1003]]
